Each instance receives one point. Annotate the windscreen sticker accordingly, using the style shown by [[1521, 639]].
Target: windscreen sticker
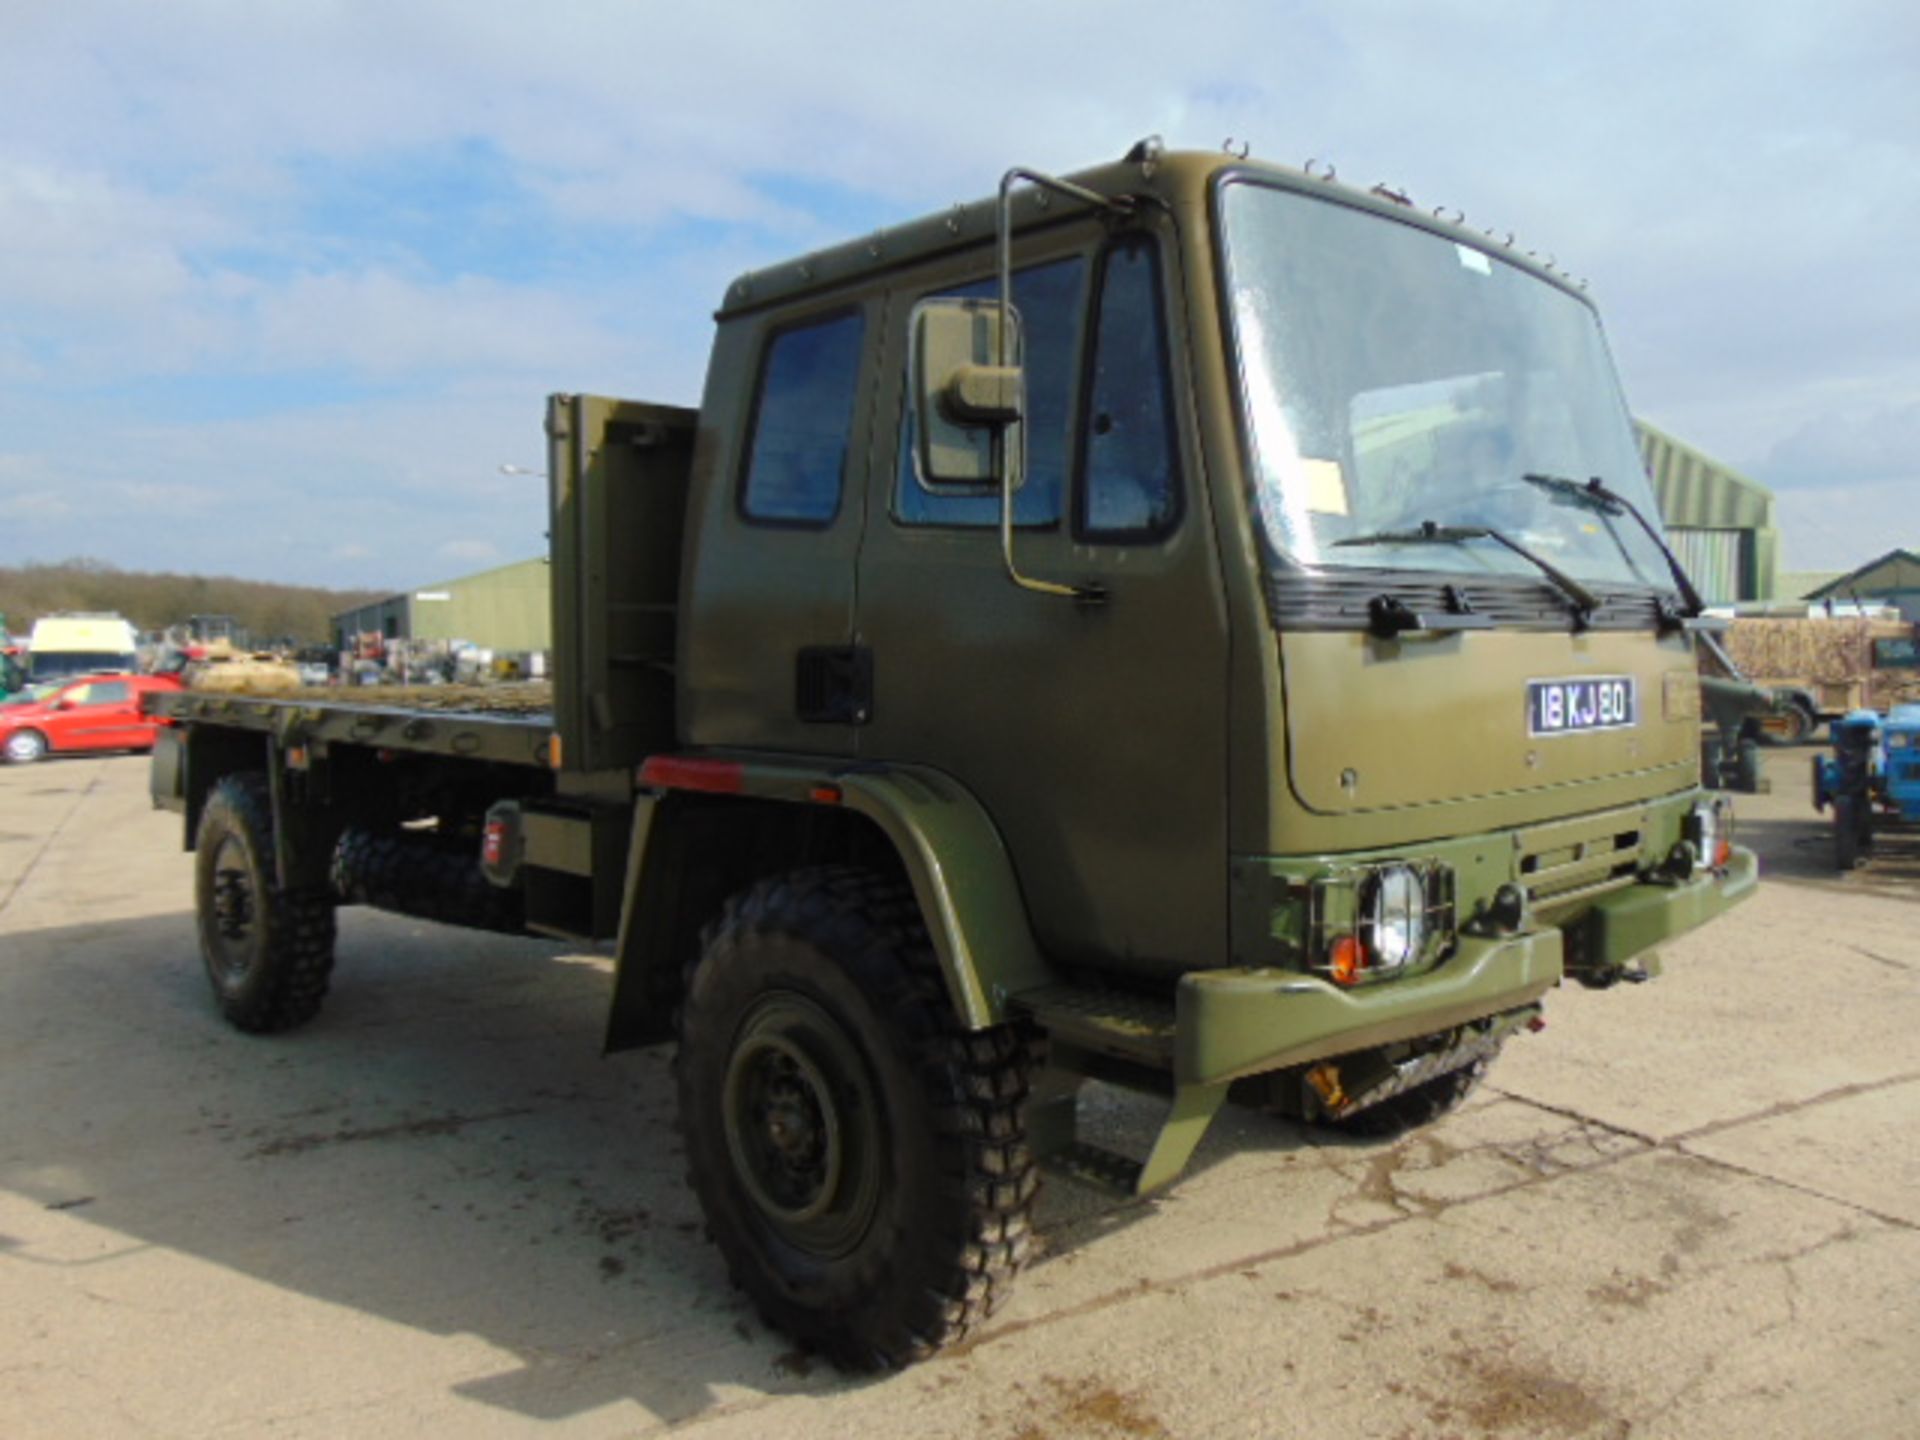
[[1326, 486], [1472, 259], [1572, 707]]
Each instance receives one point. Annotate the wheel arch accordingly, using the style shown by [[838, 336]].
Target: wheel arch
[[707, 828]]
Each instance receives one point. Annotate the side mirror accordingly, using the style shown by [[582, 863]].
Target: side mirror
[[967, 405]]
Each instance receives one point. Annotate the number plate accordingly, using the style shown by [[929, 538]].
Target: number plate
[[1569, 707]]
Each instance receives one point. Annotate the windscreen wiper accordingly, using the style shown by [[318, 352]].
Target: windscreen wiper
[[1598, 495], [1585, 602]]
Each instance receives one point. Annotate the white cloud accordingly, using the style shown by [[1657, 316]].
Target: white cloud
[[1736, 182]]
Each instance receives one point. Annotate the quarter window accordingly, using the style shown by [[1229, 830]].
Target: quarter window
[[802, 421], [1131, 471]]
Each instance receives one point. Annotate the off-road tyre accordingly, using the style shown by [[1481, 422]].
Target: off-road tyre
[[423, 876], [1746, 767], [25, 746], [1422, 1105], [268, 952], [861, 1158]]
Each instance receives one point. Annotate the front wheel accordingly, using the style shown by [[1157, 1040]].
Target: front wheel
[[268, 951], [26, 746], [861, 1159]]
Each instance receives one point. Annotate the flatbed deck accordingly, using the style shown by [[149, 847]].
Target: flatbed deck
[[506, 723]]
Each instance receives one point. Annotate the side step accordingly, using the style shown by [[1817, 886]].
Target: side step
[[1136, 1028], [1127, 1040]]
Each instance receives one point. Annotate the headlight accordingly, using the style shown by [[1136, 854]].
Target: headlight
[[1393, 916], [1373, 920]]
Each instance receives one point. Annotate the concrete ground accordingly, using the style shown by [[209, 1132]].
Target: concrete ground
[[1690, 1208]]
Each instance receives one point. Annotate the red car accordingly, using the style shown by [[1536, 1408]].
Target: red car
[[98, 712]]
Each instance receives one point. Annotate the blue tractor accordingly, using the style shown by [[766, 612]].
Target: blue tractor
[[1872, 777]]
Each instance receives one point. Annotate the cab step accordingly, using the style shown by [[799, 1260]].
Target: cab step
[[1114, 1023], [1124, 1039]]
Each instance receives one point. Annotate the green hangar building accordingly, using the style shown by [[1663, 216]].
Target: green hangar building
[[1720, 523], [508, 610]]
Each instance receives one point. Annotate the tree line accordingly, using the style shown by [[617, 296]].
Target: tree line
[[155, 600]]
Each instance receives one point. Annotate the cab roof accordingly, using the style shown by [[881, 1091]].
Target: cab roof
[[1175, 179]]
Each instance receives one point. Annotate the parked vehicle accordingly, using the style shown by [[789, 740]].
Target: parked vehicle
[[1144, 628], [99, 712], [81, 643], [13, 675], [1822, 667], [1871, 779]]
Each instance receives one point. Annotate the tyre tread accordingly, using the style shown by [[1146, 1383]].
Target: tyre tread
[[974, 1084], [298, 927]]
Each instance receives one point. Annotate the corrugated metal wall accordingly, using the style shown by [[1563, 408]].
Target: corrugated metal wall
[[1704, 500], [1716, 561]]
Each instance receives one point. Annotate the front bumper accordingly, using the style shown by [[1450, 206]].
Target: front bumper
[[1622, 925], [1232, 1023]]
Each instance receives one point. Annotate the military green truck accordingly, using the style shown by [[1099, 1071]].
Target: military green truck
[[1156, 627]]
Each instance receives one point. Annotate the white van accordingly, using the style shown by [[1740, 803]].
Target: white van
[[62, 646]]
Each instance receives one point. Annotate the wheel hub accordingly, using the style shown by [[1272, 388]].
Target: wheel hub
[[800, 1118]]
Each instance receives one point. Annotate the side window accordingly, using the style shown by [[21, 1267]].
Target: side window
[[77, 695], [802, 420], [108, 692], [1050, 301], [1130, 480]]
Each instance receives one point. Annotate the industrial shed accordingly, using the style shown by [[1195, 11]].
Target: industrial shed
[[1893, 579], [1719, 522], [508, 610]]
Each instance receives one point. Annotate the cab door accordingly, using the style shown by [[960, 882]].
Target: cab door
[[767, 653], [1093, 731]]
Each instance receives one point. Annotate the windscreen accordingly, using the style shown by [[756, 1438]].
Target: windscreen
[[63, 664], [1392, 377]]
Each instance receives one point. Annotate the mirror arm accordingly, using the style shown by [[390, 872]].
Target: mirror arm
[[1115, 204]]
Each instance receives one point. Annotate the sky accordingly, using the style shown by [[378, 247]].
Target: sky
[[282, 287]]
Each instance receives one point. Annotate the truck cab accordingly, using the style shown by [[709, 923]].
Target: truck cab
[[1333, 609]]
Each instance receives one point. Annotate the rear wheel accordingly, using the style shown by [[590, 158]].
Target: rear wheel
[[861, 1158], [25, 746], [268, 951]]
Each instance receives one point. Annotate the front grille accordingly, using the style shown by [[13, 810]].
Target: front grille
[[1574, 859]]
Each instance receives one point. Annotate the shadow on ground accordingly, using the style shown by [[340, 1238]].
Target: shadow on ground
[[444, 1148]]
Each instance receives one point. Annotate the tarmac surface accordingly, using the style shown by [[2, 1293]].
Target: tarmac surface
[[1689, 1208]]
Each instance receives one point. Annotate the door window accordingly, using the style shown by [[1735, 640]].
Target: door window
[[802, 420], [1050, 299], [107, 692], [1130, 485]]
